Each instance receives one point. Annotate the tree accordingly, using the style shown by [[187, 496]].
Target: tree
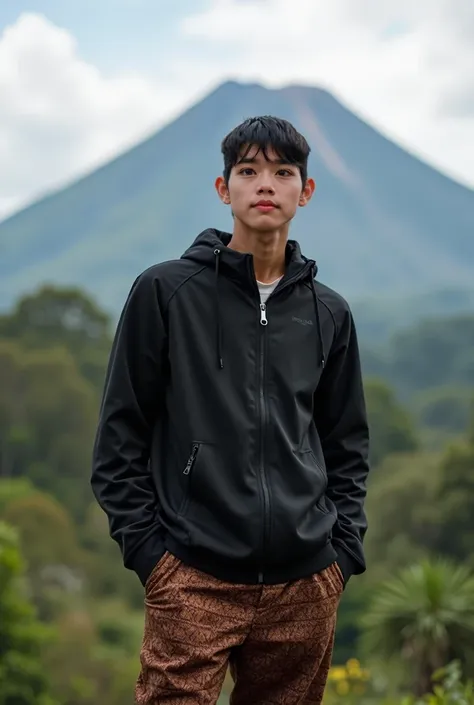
[[391, 427], [49, 546], [103, 562], [449, 688], [470, 430], [437, 351], [15, 441], [444, 408], [47, 422], [403, 512], [426, 616], [353, 604], [11, 490], [22, 677], [455, 498], [53, 315], [62, 317]]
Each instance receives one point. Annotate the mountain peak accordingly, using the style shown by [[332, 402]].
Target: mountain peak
[[240, 87], [380, 206]]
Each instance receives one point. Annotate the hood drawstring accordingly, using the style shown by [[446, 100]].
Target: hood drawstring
[[322, 359], [220, 361]]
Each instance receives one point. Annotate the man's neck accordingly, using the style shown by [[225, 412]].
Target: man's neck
[[268, 250]]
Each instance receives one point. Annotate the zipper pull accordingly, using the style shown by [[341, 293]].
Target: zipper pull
[[263, 315], [191, 459]]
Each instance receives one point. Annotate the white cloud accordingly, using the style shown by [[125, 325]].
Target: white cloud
[[59, 116], [406, 66]]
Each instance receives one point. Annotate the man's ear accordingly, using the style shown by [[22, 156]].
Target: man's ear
[[307, 192], [222, 190]]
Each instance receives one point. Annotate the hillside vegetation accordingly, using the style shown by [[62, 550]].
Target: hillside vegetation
[[71, 616]]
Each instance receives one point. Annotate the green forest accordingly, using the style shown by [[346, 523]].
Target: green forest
[[71, 616]]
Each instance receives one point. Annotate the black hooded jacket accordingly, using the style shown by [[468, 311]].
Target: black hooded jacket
[[234, 435]]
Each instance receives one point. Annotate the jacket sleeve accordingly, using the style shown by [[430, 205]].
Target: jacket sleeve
[[341, 421], [134, 384]]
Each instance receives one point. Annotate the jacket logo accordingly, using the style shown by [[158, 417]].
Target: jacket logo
[[302, 321]]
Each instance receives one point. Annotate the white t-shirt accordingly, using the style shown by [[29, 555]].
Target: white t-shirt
[[266, 289]]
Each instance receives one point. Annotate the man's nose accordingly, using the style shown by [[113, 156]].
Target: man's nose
[[265, 186]]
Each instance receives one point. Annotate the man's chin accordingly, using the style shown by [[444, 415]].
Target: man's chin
[[265, 222]]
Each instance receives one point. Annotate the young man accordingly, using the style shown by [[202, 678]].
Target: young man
[[231, 452]]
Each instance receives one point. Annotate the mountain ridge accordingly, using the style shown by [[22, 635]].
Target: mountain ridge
[[73, 180], [402, 225]]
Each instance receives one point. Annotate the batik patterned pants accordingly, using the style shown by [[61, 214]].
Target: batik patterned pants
[[276, 639]]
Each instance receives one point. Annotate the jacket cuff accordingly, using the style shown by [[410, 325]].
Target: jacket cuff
[[148, 556], [345, 563]]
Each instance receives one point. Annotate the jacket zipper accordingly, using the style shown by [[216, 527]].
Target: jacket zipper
[[263, 420]]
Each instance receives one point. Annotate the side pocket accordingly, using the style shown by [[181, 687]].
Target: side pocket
[[188, 473], [324, 477], [318, 466]]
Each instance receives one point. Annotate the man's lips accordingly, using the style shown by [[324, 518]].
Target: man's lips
[[265, 206]]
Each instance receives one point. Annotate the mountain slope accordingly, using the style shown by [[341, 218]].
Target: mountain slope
[[381, 221]]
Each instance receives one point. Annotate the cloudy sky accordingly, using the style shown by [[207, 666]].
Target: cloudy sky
[[83, 79]]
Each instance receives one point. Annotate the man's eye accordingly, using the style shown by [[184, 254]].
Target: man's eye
[[285, 172], [247, 171]]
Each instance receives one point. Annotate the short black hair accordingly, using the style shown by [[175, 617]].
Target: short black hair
[[266, 132]]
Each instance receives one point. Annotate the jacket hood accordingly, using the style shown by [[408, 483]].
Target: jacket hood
[[203, 251]]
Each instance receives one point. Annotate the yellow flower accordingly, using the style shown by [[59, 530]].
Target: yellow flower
[[337, 673], [342, 688], [353, 668]]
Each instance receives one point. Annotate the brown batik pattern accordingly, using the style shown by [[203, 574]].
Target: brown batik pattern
[[277, 639]]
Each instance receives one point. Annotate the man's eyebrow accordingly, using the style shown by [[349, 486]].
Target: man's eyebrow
[[252, 160]]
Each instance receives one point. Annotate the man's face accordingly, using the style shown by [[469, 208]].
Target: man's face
[[264, 193]]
